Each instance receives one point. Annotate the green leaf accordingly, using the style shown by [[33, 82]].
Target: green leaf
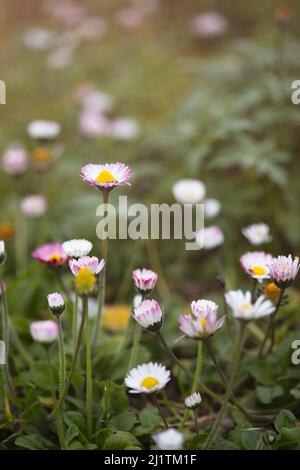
[[74, 417], [33, 442], [150, 419], [71, 433], [284, 419], [267, 394], [120, 441], [123, 421], [102, 436]]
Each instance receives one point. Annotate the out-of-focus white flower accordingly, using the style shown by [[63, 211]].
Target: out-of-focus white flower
[[60, 58], [257, 233], [34, 205], [95, 101], [67, 12], [39, 38], [15, 160], [149, 315], [77, 248], [243, 308], [147, 378], [212, 208], [209, 238], [94, 124], [56, 303], [123, 128], [44, 331], [188, 191], [43, 130], [171, 439], [130, 18], [283, 270], [2, 251], [209, 25], [193, 401], [144, 280], [92, 27], [256, 264]]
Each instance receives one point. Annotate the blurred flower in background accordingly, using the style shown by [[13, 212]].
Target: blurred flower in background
[[44, 331], [208, 25], [34, 205], [15, 160]]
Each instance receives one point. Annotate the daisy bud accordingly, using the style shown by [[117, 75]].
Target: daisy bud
[[147, 378], [2, 252], [149, 315], [144, 280], [44, 331], [193, 401], [283, 270], [171, 439], [272, 292], [56, 303]]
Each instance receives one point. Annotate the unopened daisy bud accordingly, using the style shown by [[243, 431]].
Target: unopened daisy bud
[[77, 248], [272, 292], [193, 401], [149, 315], [283, 270], [56, 303], [171, 439], [2, 252], [144, 280], [44, 331]]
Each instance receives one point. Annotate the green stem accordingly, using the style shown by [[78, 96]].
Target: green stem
[[74, 321], [196, 380], [135, 346], [62, 358], [89, 385], [229, 389], [102, 285], [58, 418], [160, 410], [196, 422], [271, 327], [253, 291]]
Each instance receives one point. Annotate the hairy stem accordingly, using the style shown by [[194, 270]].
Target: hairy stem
[[89, 385]]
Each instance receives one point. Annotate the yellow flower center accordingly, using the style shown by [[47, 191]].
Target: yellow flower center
[[85, 281], [245, 306], [42, 155], [258, 270], [55, 258], [203, 323], [272, 291], [149, 382], [105, 176]]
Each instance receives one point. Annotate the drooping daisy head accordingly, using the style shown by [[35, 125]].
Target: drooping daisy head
[[85, 270], [203, 322], [256, 264], [44, 331], [170, 439], [209, 238], [43, 130], [107, 175], [77, 248], [51, 254], [283, 270], [244, 309], [212, 208], [15, 160], [2, 251], [34, 205], [193, 401], [147, 378], [144, 280], [188, 191], [56, 303], [257, 234], [149, 315]]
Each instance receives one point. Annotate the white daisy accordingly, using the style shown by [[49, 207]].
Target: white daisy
[[257, 233], [193, 401], [212, 208], [170, 439], [188, 191], [209, 238], [256, 264], [77, 248], [43, 130], [243, 308], [147, 378], [107, 175], [34, 205], [56, 303]]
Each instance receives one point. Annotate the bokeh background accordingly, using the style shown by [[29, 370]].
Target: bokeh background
[[213, 106]]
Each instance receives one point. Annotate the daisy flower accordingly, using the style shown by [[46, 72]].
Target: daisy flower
[[34, 205], [188, 191], [44, 331], [283, 270], [147, 378], [257, 233], [51, 254], [208, 25], [243, 308], [170, 439], [209, 238], [106, 176], [77, 248], [43, 130], [144, 280], [149, 315], [193, 401], [256, 264], [56, 303], [85, 270], [15, 160], [204, 320]]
